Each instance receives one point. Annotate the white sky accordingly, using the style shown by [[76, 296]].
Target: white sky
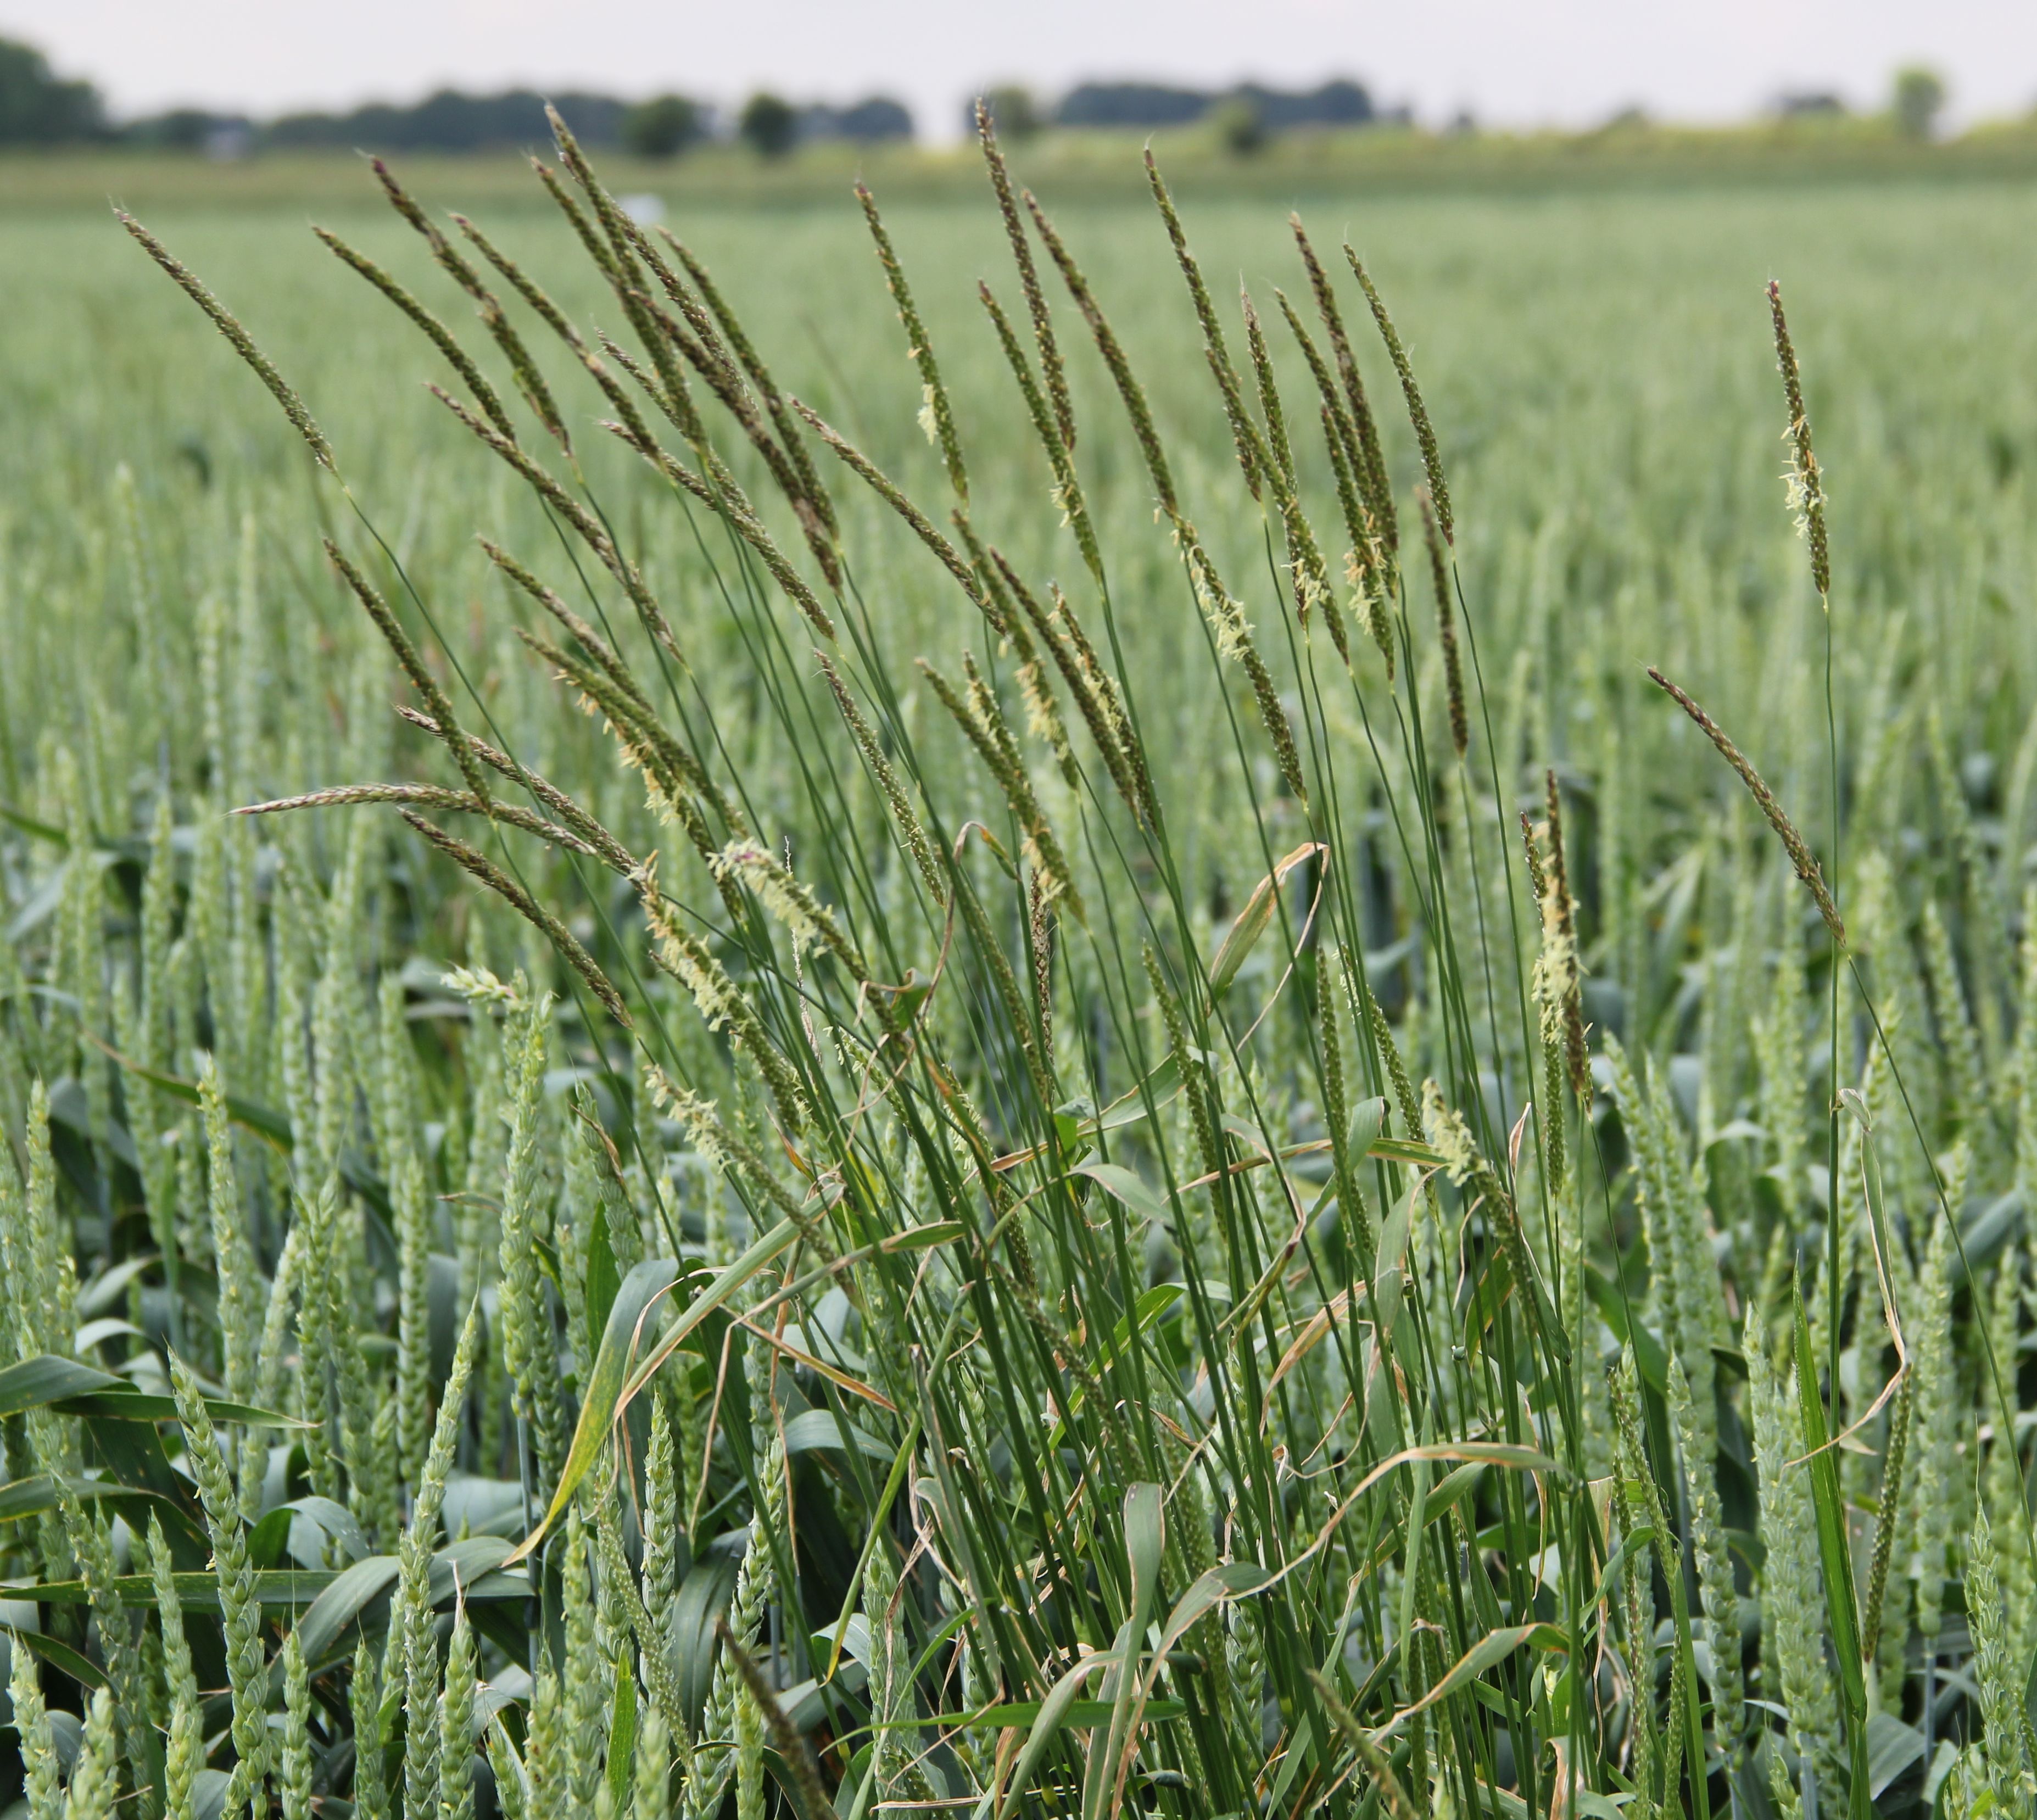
[[1510, 61]]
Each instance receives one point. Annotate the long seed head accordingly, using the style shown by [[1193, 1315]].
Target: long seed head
[[1368, 463], [528, 376], [1090, 685], [1269, 393], [1029, 281], [521, 901], [982, 719], [1446, 623], [1067, 484], [1560, 942], [753, 364], [1107, 344], [435, 331], [888, 782], [243, 343], [1801, 856], [1417, 413], [938, 418], [1245, 434], [1806, 484], [1892, 1504], [792, 1745], [894, 497], [414, 667]]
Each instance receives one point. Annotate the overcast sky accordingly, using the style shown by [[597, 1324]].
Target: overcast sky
[[1512, 62]]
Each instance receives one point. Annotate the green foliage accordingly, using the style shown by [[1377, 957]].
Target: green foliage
[[1238, 126], [768, 125], [1013, 111], [1919, 98], [37, 108], [662, 128], [893, 1235]]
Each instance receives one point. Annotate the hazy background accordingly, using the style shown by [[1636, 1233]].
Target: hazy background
[[1563, 63]]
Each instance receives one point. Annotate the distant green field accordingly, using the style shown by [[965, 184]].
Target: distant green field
[[1597, 365], [1066, 164], [1144, 1235]]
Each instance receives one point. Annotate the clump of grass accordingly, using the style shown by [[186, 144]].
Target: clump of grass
[[945, 1314]]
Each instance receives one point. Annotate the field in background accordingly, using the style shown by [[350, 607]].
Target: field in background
[[1593, 360], [1069, 162]]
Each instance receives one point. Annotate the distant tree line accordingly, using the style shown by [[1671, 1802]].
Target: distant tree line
[[1917, 97], [662, 126], [1245, 116], [37, 108], [1150, 104], [450, 121]]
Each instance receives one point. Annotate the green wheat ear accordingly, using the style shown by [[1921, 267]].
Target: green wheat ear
[[95, 1779], [240, 1608], [456, 1717], [1047, 1205], [529, 1349], [38, 1743]]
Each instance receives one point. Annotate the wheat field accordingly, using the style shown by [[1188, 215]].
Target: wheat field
[[1013, 1050]]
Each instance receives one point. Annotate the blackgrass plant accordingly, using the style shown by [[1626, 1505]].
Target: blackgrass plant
[[909, 1286]]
